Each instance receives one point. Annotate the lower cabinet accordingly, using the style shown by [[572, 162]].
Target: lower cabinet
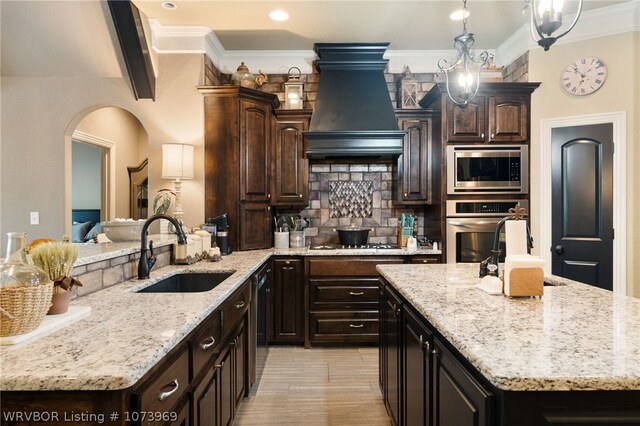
[[458, 398], [288, 300], [416, 369], [390, 353], [206, 399]]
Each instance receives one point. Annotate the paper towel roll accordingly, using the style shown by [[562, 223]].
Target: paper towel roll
[[516, 237]]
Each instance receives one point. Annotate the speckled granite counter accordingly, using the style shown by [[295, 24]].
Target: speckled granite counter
[[126, 332], [577, 337], [90, 253]]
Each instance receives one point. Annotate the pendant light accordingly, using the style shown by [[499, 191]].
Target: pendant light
[[464, 70], [546, 18]]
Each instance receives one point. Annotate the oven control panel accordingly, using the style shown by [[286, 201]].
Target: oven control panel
[[483, 208]]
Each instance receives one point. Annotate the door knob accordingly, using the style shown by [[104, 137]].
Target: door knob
[[558, 249]]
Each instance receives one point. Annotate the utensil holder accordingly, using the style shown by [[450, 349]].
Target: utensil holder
[[296, 239], [281, 240], [403, 235]]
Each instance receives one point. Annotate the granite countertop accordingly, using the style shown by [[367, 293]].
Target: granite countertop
[[576, 337], [127, 333], [90, 253]]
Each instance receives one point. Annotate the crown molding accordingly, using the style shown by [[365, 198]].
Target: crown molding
[[596, 23]]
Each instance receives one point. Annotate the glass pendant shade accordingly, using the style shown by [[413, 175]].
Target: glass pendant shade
[[546, 19]]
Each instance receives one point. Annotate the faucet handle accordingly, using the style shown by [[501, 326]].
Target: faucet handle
[[151, 259]]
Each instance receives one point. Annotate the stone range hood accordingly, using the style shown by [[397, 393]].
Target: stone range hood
[[353, 116]]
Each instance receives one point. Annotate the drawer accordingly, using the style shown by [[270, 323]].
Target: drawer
[[336, 327], [205, 343], [349, 267], [426, 259], [169, 387], [235, 307], [348, 294]]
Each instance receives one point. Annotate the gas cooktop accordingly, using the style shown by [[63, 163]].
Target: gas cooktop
[[369, 246]]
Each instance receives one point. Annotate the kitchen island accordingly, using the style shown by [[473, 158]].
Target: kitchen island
[[571, 356]]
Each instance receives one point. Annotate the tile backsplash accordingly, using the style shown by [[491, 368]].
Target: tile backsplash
[[359, 194]]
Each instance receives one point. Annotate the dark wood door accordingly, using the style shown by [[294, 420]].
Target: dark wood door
[[288, 300], [582, 204], [206, 400], [240, 359], [416, 370], [392, 311], [290, 175], [414, 165], [255, 128], [508, 118], [466, 124], [255, 226], [458, 399]]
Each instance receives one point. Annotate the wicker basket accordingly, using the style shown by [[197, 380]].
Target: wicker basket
[[23, 307]]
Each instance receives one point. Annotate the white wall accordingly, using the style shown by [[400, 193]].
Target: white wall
[[621, 92], [125, 131], [39, 114]]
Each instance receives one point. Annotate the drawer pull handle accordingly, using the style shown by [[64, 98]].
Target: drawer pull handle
[[240, 304], [221, 365], [356, 293], [356, 325], [162, 396], [207, 343]]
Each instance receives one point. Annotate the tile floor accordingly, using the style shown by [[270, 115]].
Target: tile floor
[[319, 386]]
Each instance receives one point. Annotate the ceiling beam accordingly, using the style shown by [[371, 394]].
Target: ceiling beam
[[128, 25]]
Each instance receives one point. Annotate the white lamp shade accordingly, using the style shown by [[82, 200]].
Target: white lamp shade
[[177, 161]]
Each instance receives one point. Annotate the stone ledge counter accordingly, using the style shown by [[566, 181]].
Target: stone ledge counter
[[576, 337]]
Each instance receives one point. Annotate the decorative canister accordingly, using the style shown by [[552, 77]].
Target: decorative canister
[[296, 239], [243, 77], [25, 290], [281, 240]]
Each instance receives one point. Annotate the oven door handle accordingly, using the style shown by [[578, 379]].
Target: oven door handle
[[470, 225]]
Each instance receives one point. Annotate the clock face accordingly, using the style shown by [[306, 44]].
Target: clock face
[[584, 76]]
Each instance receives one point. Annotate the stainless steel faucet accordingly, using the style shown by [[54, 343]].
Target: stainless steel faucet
[[146, 262]]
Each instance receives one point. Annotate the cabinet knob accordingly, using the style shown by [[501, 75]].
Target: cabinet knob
[[269, 196], [421, 343], [482, 135], [207, 343], [162, 396], [268, 208], [300, 195], [493, 135], [427, 346], [221, 365], [240, 304], [288, 262], [406, 195]]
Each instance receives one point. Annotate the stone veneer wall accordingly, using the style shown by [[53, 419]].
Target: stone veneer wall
[[518, 70], [332, 186], [105, 273]]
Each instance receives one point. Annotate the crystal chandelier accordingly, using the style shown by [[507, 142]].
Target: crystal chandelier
[[466, 65], [546, 18]]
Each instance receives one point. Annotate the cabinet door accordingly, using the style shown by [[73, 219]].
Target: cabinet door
[[466, 124], [227, 400], [508, 118], [416, 374], [414, 165], [206, 400], [428, 259], [255, 226], [391, 312], [290, 166], [255, 128], [458, 398], [288, 302], [240, 370]]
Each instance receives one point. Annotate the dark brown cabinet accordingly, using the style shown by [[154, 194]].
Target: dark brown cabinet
[[415, 165], [288, 300], [416, 370], [206, 399], [390, 351], [290, 173], [431, 258], [458, 398], [466, 124], [237, 151], [509, 118]]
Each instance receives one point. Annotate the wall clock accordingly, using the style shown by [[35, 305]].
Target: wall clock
[[584, 76]]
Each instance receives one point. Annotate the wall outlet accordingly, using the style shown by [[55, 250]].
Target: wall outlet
[[35, 218]]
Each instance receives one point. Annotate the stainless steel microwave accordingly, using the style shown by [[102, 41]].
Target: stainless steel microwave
[[481, 169]]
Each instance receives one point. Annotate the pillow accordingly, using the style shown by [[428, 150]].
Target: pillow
[[79, 230], [97, 228]]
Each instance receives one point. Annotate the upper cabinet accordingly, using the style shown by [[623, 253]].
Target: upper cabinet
[[498, 114], [290, 167], [416, 164], [237, 165]]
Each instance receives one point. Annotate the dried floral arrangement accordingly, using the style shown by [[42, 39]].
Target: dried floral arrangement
[[56, 260]]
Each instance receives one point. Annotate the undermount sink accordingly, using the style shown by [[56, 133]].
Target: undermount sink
[[194, 282]]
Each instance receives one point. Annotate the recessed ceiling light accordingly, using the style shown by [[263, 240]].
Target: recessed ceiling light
[[458, 15], [169, 5], [279, 15]]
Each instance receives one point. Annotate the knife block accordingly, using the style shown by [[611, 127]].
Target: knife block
[[403, 235]]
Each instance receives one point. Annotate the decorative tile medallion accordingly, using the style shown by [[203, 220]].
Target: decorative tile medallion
[[350, 199]]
